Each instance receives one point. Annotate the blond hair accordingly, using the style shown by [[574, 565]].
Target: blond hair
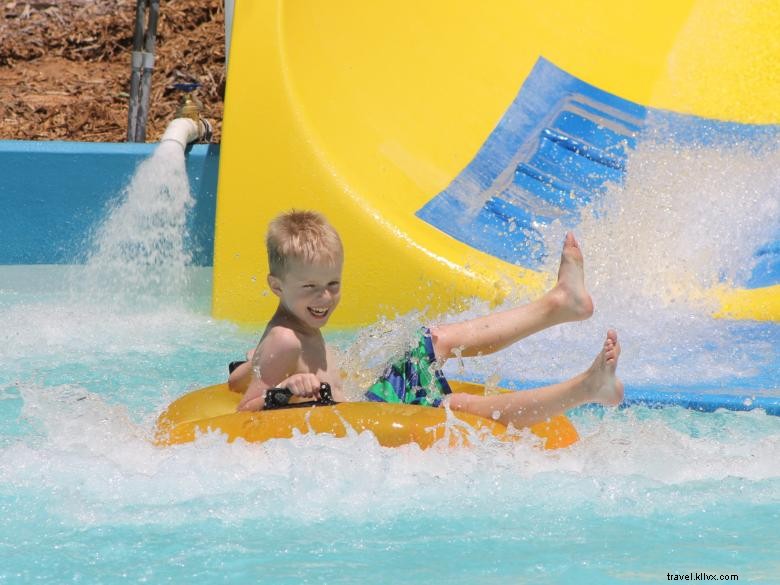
[[305, 236]]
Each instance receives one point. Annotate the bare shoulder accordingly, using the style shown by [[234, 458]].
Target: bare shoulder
[[278, 356], [280, 340]]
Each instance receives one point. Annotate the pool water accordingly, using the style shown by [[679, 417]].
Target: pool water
[[86, 366], [85, 497]]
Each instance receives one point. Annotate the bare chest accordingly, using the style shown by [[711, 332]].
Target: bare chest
[[316, 358]]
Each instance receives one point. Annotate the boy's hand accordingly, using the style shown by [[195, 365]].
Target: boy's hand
[[303, 385]]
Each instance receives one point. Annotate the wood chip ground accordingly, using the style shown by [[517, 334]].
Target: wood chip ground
[[65, 67]]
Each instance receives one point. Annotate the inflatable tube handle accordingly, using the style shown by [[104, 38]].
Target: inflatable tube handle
[[277, 398]]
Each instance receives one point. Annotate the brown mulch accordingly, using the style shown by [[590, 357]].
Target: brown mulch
[[65, 67]]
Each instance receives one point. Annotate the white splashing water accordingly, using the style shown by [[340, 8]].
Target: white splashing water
[[139, 249], [686, 219], [102, 468]]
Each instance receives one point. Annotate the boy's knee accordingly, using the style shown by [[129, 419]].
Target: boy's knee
[[459, 400], [441, 343]]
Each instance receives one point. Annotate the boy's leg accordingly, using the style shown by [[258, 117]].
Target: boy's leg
[[598, 384], [567, 301]]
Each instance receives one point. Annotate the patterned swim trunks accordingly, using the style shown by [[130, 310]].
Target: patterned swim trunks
[[413, 378]]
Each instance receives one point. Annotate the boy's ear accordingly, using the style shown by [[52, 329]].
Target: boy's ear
[[275, 285]]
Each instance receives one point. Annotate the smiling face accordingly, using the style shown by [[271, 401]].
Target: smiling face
[[309, 292]]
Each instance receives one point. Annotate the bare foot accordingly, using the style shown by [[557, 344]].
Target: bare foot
[[600, 379], [570, 298]]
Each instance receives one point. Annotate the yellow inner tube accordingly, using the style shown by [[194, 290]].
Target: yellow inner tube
[[214, 409]]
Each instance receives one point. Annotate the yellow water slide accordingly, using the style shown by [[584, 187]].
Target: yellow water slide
[[367, 111]]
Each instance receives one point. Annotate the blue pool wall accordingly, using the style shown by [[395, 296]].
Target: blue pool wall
[[52, 194]]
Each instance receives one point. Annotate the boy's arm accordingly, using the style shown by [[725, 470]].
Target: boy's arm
[[274, 361], [240, 378], [254, 397]]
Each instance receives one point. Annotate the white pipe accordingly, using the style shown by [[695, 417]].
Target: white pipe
[[229, 8], [183, 131]]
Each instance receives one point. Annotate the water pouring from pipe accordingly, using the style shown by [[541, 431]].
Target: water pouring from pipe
[[139, 250]]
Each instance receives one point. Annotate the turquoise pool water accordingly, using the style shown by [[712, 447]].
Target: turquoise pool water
[[89, 355], [85, 497]]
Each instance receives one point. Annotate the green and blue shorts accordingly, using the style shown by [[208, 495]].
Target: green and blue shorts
[[413, 378]]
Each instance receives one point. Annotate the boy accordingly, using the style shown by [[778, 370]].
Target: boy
[[305, 257]]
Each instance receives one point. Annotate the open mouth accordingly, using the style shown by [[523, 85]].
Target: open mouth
[[318, 313]]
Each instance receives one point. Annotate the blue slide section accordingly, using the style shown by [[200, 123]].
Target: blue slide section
[[558, 146]]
